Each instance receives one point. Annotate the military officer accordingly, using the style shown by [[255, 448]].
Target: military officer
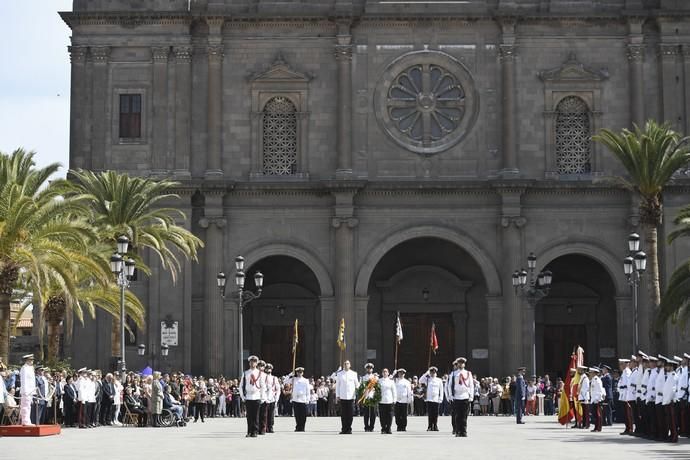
[[520, 395], [641, 422], [272, 395], [301, 389], [650, 422], [345, 394], [583, 396], [388, 399], [251, 388], [607, 406], [462, 392], [404, 397], [261, 365], [368, 413], [449, 396], [682, 395], [623, 381], [27, 379], [596, 396], [668, 401], [433, 397], [659, 398]]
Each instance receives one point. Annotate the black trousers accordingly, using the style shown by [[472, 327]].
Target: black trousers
[[585, 415], [608, 412], [650, 419], [91, 414], [270, 416], [347, 408], [386, 414], [432, 414], [252, 416], [262, 417], [401, 416], [199, 410], [300, 410], [462, 410], [369, 414], [452, 416], [68, 411]]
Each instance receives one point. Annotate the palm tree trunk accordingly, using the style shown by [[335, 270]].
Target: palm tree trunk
[[4, 327], [53, 340], [651, 240]]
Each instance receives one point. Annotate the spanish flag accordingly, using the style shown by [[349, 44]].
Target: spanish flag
[[565, 412], [295, 337], [341, 335], [433, 341]]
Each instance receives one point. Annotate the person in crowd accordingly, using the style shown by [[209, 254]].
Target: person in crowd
[[117, 399], [549, 392], [484, 397], [156, 398], [172, 404], [531, 397], [495, 393], [506, 398], [597, 394], [134, 406], [584, 397], [607, 404], [69, 400]]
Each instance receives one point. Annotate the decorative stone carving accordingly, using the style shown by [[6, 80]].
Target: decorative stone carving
[[280, 71], [100, 54], [518, 221], [573, 134], [77, 54], [506, 52], [160, 53], [215, 52], [183, 53], [635, 53], [206, 222], [573, 70], [343, 52], [669, 51], [426, 101], [279, 137], [351, 222]]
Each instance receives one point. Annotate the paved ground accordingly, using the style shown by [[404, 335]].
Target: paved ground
[[489, 438]]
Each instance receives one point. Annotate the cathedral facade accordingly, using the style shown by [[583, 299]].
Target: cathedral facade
[[383, 158]]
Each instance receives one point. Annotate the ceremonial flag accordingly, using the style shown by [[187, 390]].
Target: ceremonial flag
[[433, 341], [398, 330], [565, 412], [341, 335], [295, 337]]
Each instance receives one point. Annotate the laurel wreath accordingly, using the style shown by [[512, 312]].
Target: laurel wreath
[[374, 400]]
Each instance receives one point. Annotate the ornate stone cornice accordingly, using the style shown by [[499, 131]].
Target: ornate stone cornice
[[507, 52], [573, 70], [517, 221], [77, 54], [183, 53], [635, 53], [669, 50], [351, 222], [206, 222], [160, 53], [100, 54]]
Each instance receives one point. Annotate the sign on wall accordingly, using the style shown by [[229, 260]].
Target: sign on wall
[[169, 334], [480, 353]]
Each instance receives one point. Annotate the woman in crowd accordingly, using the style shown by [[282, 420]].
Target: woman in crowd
[[531, 399], [506, 398], [495, 396], [200, 396], [117, 399], [484, 397]]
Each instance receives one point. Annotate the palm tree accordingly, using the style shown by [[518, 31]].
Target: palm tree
[[675, 304], [31, 228], [132, 206], [651, 156]]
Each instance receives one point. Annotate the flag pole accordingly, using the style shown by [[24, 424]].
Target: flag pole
[[428, 364], [397, 344]]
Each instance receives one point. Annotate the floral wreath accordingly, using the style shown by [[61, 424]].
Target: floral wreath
[[365, 388]]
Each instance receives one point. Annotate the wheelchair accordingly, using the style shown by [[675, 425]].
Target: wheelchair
[[168, 419]]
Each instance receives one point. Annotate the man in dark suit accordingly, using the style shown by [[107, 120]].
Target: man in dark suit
[[40, 402], [520, 394], [99, 398], [69, 395], [108, 390], [607, 383]]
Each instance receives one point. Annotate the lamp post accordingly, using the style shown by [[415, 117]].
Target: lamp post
[[532, 289], [123, 270], [634, 266], [165, 349], [243, 298]]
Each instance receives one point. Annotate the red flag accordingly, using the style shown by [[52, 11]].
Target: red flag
[[565, 412], [433, 340]]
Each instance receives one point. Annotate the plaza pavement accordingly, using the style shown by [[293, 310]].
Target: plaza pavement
[[489, 438]]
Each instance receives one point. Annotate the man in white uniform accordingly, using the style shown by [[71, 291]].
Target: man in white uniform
[[659, 398], [368, 412], [623, 382], [682, 394], [404, 396], [434, 396], [583, 396], [388, 399], [251, 389], [345, 394], [462, 393], [668, 401], [650, 413], [263, 407], [272, 395], [301, 389], [27, 378], [596, 397]]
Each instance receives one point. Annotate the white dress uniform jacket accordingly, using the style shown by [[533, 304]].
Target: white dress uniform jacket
[[669, 391], [461, 385], [584, 389], [659, 385], [3, 391], [346, 385], [642, 390], [596, 390], [301, 389], [272, 388], [251, 385], [623, 383], [651, 389], [28, 380], [403, 389], [388, 390], [434, 388], [635, 383], [682, 386]]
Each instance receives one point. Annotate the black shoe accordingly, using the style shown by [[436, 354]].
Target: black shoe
[[463, 435], [254, 435], [249, 435], [270, 431], [520, 423], [457, 435], [428, 429]]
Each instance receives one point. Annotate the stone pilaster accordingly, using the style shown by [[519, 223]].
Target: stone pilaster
[[507, 56], [214, 223], [328, 333], [635, 54], [496, 315], [343, 56], [214, 167], [668, 53], [183, 97], [160, 54], [99, 57], [686, 72], [79, 157]]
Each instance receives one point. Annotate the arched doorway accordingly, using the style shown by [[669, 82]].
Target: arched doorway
[[429, 281], [291, 291], [579, 310]]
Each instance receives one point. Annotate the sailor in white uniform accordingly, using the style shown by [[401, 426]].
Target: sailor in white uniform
[[251, 391], [404, 398], [596, 397], [345, 394], [27, 391], [433, 397], [388, 398], [301, 389]]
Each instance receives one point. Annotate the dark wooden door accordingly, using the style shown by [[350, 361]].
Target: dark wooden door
[[276, 348], [559, 342], [413, 353]]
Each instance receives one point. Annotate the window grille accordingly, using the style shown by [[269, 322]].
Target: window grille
[[279, 137], [573, 137]]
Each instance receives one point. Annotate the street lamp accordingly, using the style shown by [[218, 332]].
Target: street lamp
[[532, 288], [123, 271], [243, 297], [141, 349], [634, 266]]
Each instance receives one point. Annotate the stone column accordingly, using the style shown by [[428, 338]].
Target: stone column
[[636, 58], [160, 109], [512, 223], [460, 328], [77, 134], [496, 315], [344, 280], [99, 56], [507, 52], [343, 56], [686, 68], [183, 107], [215, 94], [624, 326], [328, 334], [214, 223], [669, 84]]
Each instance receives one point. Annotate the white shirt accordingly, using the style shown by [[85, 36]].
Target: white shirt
[[301, 389], [584, 389], [651, 390], [596, 390], [251, 385], [659, 386], [623, 383], [118, 393], [346, 385], [388, 390], [87, 391], [28, 380], [3, 391], [642, 389], [682, 385], [635, 382], [461, 385], [272, 388], [403, 390], [669, 390], [434, 388]]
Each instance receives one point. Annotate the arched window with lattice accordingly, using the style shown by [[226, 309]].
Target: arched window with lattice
[[573, 137], [279, 137]]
